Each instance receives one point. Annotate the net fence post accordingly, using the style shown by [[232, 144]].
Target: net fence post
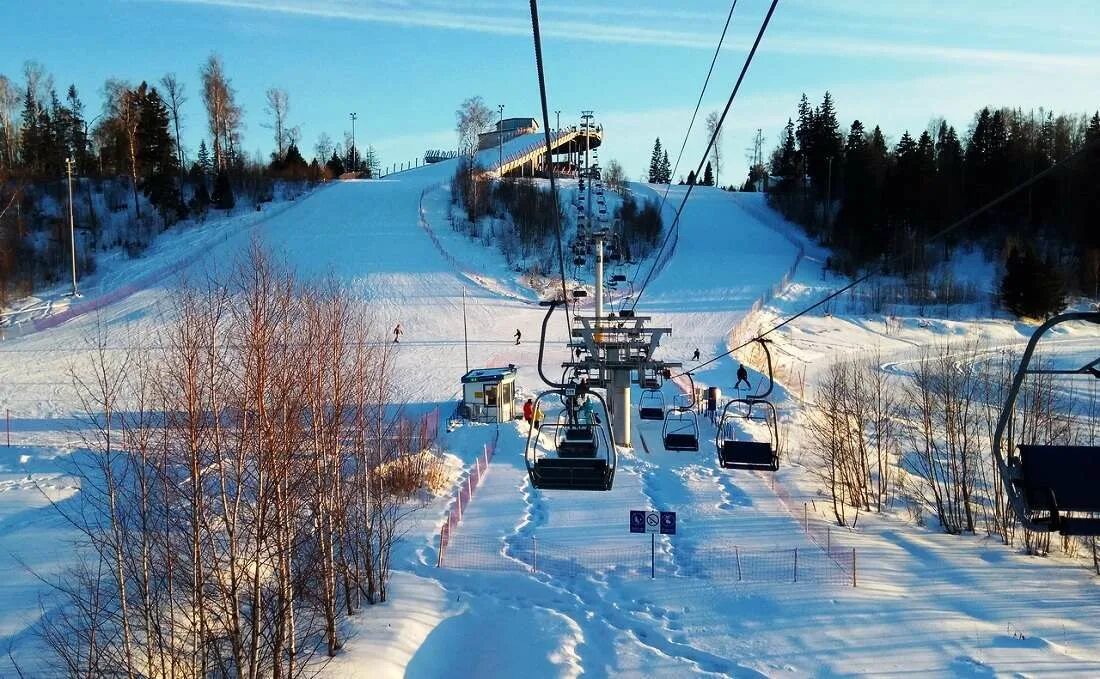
[[534, 554], [796, 564], [737, 557], [853, 566]]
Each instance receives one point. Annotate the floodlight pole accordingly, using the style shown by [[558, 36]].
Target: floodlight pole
[[354, 152], [72, 220], [500, 140]]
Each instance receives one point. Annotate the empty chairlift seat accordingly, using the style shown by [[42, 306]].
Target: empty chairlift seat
[[1059, 479], [651, 405], [681, 430], [735, 453], [1052, 487]]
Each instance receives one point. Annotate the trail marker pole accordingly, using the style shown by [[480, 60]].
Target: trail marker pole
[[737, 556], [796, 564]]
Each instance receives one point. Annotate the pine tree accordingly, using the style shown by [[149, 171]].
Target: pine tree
[[666, 169], [708, 175], [655, 163], [335, 165], [691, 178]]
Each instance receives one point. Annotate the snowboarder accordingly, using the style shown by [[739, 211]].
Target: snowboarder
[[695, 356], [529, 411], [518, 336], [397, 331], [742, 376]]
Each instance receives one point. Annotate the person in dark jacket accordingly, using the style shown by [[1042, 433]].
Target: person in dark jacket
[[742, 376], [518, 335], [695, 356]]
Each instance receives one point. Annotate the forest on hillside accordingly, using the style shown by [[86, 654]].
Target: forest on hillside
[[132, 175], [876, 203]]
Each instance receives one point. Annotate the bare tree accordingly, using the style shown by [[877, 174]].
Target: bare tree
[[323, 148], [614, 176], [473, 117], [278, 106], [175, 96], [222, 112], [9, 142], [713, 130], [246, 488]]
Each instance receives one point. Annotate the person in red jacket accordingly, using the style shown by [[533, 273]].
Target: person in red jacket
[[529, 411]]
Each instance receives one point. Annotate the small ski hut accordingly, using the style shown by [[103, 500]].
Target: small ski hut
[[488, 394]]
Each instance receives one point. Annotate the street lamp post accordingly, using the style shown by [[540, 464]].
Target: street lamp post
[[353, 155], [558, 114], [500, 139], [72, 220]]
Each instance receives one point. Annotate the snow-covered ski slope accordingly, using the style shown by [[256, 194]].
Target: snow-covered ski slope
[[925, 603]]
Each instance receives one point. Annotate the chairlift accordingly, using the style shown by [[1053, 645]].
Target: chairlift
[[1045, 482], [651, 405], [578, 261], [681, 428], [738, 453], [618, 278], [569, 454], [580, 293]]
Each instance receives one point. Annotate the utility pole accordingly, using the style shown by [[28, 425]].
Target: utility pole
[[500, 138], [557, 113], [72, 220], [353, 155]]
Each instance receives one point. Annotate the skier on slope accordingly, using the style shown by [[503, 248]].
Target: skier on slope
[[695, 356], [397, 332], [518, 336], [742, 376]]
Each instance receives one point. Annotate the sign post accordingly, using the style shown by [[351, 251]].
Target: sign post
[[652, 523]]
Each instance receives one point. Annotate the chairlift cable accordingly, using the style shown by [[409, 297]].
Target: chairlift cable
[[691, 124], [706, 151], [549, 156]]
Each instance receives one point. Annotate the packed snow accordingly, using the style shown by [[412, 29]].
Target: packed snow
[[551, 583]]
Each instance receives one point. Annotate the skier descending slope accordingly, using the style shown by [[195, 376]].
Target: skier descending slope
[[397, 332]]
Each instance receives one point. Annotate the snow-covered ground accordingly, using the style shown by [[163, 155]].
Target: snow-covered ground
[[925, 604]]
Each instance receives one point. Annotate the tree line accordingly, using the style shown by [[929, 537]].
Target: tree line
[[132, 175], [872, 201]]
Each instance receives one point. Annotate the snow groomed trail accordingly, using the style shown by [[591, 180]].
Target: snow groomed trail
[[553, 584]]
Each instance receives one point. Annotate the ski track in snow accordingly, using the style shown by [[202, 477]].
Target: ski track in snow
[[925, 604]]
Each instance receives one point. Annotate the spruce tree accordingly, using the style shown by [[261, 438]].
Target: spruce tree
[[223, 191], [655, 163], [1031, 288], [708, 175], [691, 178], [204, 162], [666, 169]]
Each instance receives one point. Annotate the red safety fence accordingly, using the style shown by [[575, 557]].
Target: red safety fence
[[633, 558], [465, 494]]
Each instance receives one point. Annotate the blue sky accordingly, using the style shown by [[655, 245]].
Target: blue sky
[[404, 65]]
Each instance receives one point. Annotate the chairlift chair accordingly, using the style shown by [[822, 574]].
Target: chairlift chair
[[578, 261], [580, 293], [651, 405], [734, 453], [1045, 481], [681, 428], [580, 456]]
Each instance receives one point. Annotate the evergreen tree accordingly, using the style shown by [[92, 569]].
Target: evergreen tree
[[223, 191], [708, 175], [1031, 288], [691, 177], [654, 176], [158, 165], [206, 165], [335, 165], [666, 169]]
